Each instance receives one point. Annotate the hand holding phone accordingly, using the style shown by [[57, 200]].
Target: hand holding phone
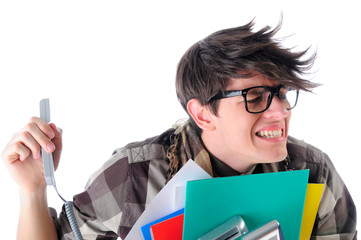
[[49, 172]]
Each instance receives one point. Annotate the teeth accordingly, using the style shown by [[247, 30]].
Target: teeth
[[270, 133]]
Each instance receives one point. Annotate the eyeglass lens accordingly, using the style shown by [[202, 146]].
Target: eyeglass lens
[[258, 99]]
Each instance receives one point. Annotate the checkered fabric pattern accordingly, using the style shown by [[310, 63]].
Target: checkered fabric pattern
[[118, 193]]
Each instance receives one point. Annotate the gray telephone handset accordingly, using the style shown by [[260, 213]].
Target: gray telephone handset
[[49, 172], [47, 157], [236, 229]]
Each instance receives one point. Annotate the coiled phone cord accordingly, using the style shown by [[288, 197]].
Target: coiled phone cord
[[71, 216]]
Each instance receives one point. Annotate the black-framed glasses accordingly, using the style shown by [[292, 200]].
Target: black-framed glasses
[[258, 99]]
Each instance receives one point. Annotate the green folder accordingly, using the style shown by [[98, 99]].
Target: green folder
[[258, 198]]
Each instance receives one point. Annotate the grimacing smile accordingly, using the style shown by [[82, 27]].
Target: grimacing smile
[[270, 133]]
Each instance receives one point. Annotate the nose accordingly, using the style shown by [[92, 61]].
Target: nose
[[276, 110]]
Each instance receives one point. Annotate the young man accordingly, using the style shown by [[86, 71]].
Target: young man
[[238, 87]]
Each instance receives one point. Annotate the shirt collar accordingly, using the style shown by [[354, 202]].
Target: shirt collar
[[220, 169]]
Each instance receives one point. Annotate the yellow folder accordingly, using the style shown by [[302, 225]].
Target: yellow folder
[[312, 201]]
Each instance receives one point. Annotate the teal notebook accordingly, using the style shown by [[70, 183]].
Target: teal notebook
[[258, 198]]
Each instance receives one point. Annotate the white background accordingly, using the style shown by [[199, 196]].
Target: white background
[[108, 68]]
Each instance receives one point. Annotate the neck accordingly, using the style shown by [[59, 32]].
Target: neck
[[216, 148]]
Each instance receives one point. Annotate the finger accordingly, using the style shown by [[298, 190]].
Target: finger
[[58, 131], [38, 135], [43, 126], [15, 151], [57, 140], [28, 141]]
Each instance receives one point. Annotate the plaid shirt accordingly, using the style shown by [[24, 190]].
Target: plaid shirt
[[118, 193]]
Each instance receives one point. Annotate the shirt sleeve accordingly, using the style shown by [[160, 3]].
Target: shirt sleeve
[[336, 217], [98, 210]]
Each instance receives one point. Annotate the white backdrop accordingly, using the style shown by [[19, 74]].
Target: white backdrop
[[108, 68]]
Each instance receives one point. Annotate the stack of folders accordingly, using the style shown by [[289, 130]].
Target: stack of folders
[[267, 206]]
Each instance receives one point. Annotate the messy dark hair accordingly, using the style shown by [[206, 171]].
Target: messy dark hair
[[238, 52]]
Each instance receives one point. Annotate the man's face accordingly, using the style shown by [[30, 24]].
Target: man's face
[[244, 139]]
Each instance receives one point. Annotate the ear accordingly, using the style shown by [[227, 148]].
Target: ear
[[200, 114]]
